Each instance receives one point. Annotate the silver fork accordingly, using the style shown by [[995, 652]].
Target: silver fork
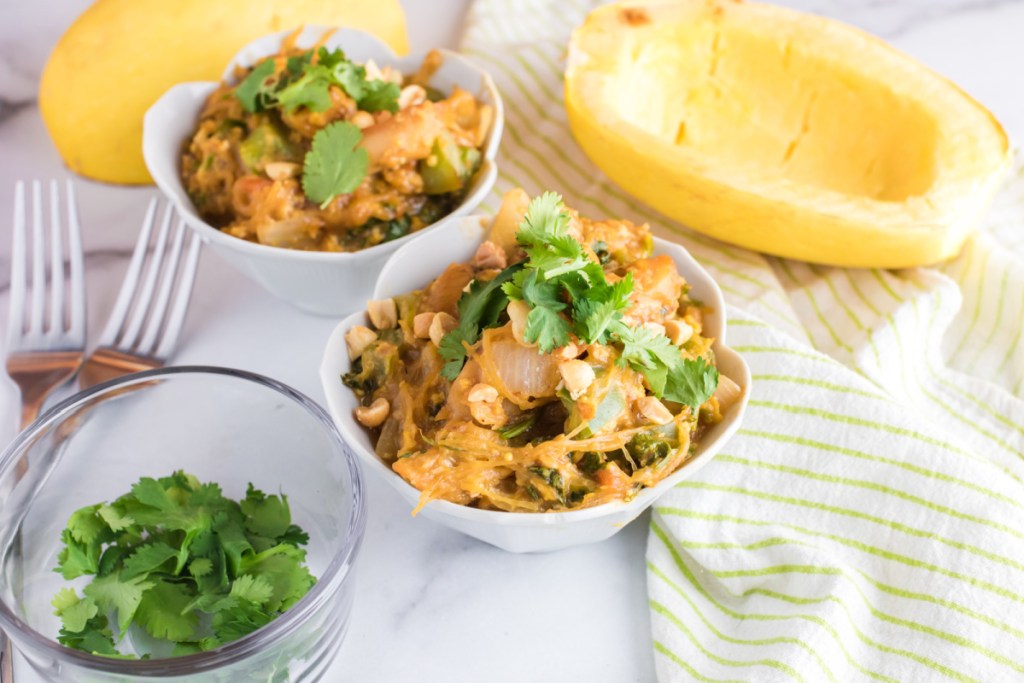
[[148, 315], [42, 357]]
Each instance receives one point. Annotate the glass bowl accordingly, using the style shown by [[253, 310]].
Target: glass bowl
[[225, 426]]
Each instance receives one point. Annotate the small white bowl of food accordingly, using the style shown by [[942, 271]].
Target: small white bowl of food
[[319, 153], [543, 389]]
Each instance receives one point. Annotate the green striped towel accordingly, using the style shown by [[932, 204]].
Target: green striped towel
[[866, 523]]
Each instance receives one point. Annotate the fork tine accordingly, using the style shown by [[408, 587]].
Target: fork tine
[[170, 269], [131, 278], [76, 258], [180, 307], [16, 313], [56, 263], [141, 308], [35, 326]]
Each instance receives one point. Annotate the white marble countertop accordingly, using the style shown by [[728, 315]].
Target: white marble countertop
[[432, 604]]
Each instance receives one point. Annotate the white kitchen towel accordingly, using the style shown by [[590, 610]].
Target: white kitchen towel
[[866, 523]]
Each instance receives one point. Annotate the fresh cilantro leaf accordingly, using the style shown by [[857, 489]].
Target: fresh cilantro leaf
[[74, 612], [283, 567], [111, 558], [251, 91], [114, 518], [478, 309], [686, 381], [252, 588], [545, 218], [370, 95], [238, 556], [294, 535], [116, 593], [163, 612], [306, 83], [692, 383], [200, 567], [150, 492], [234, 542], [311, 90], [77, 559], [335, 164], [546, 328], [267, 516], [539, 292], [380, 96], [95, 637], [86, 526], [240, 619], [595, 313], [147, 558]]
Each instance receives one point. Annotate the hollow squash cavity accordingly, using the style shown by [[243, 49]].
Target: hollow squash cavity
[[747, 100], [783, 132]]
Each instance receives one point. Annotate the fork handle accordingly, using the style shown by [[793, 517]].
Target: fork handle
[[6, 659]]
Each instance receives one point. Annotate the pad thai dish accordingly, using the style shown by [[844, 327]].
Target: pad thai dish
[[563, 367], [309, 150]]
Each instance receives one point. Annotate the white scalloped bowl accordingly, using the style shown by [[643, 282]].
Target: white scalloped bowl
[[323, 283], [416, 264]]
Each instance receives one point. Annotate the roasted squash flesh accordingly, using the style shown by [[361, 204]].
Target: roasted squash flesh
[[780, 131]]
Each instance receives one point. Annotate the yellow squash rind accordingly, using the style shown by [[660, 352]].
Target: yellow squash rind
[[121, 55], [782, 132]]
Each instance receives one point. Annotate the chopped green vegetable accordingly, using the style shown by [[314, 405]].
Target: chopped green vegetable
[[448, 168], [335, 164], [266, 143], [520, 427], [646, 449], [176, 558]]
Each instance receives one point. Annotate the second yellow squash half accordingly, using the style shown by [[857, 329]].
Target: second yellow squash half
[[783, 132], [121, 55]]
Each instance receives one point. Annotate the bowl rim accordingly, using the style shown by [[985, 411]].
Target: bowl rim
[[237, 650], [199, 90], [643, 499]]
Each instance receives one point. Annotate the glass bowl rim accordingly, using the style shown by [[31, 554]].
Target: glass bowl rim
[[251, 643]]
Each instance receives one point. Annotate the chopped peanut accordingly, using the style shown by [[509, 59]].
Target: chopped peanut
[[281, 170], [411, 95], [567, 352], [383, 313], [441, 325], [374, 414], [421, 325], [577, 375], [653, 410], [678, 332], [482, 393], [362, 119], [358, 338]]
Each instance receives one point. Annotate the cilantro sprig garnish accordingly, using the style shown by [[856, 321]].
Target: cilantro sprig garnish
[[335, 164], [479, 308], [305, 81], [179, 560], [569, 294]]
